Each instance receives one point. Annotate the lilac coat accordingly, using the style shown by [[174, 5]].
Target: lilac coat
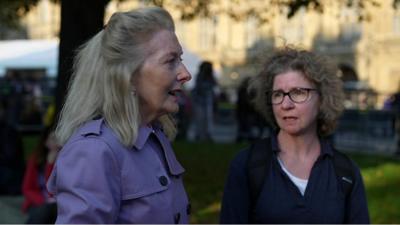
[[98, 180]]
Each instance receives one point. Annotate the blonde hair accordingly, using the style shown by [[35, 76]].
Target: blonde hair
[[104, 67], [317, 69]]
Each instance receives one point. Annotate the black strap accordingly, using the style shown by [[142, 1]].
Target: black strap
[[344, 172], [260, 156]]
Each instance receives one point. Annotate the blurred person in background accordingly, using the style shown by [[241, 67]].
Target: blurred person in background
[[295, 175], [12, 163], [40, 206], [392, 104], [250, 123], [203, 98], [117, 164], [184, 115]]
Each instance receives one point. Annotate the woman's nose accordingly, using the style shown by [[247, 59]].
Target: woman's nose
[[287, 103], [183, 74]]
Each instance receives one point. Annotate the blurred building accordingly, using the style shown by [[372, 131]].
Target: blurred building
[[370, 47]]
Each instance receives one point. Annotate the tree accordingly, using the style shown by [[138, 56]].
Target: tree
[[12, 10], [80, 20], [260, 9]]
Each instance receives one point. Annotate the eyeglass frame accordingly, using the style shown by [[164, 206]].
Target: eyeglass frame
[[269, 93]]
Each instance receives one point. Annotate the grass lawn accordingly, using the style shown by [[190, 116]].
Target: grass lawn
[[207, 164], [206, 167], [382, 180]]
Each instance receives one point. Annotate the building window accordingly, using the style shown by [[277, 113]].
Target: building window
[[251, 31], [207, 33], [180, 27], [350, 28], [396, 20], [293, 30]]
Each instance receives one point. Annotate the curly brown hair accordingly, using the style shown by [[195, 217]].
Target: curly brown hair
[[317, 69]]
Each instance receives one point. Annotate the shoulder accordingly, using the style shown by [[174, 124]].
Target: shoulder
[[87, 152], [239, 161], [242, 156], [93, 137], [85, 157], [345, 166], [344, 160]]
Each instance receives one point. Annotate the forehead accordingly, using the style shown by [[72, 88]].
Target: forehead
[[290, 79], [164, 42]]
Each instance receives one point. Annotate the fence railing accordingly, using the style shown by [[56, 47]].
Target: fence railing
[[367, 131]]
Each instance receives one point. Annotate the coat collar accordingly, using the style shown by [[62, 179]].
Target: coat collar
[[174, 167], [94, 127], [91, 127], [326, 146]]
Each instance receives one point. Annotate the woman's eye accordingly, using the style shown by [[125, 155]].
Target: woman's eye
[[276, 94], [296, 92], [174, 60]]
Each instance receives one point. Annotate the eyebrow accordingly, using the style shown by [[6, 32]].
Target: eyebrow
[[171, 53], [280, 89]]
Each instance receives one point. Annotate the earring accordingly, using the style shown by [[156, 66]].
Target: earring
[[133, 92]]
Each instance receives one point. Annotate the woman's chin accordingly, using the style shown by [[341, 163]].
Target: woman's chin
[[291, 131], [173, 108]]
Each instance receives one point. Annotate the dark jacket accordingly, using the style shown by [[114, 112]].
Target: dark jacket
[[280, 201]]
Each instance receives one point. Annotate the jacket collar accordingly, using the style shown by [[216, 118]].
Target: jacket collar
[[94, 127], [174, 167], [326, 146], [143, 135], [91, 127]]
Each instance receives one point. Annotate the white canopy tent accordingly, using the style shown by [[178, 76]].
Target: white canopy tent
[[43, 54], [29, 54]]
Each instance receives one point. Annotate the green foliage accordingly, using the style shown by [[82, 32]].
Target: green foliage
[[262, 10], [12, 10]]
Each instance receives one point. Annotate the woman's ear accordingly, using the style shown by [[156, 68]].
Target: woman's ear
[[133, 82]]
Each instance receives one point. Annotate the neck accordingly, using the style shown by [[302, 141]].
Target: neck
[[301, 145], [147, 118], [147, 124]]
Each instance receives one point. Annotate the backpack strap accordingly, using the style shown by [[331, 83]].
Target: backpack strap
[[344, 172], [259, 159]]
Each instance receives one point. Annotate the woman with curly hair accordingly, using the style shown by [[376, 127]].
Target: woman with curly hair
[[300, 95]]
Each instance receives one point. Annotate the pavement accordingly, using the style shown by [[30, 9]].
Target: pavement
[[224, 128], [10, 210]]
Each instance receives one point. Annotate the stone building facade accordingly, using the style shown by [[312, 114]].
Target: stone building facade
[[371, 48]]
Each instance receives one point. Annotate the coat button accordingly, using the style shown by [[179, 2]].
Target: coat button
[[177, 218], [163, 180]]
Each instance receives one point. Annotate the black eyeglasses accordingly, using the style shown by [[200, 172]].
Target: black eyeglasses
[[297, 95]]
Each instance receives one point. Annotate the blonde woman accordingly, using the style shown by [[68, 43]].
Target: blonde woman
[[117, 164]]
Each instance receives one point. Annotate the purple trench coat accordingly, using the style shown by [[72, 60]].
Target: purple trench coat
[[98, 180]]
